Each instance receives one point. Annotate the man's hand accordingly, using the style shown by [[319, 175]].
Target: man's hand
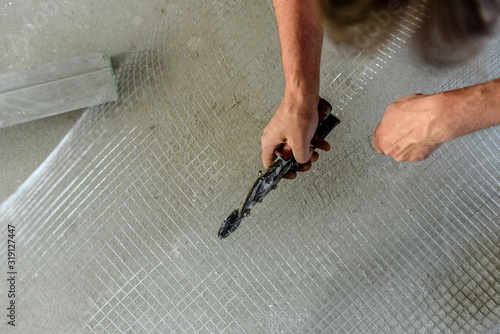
[[294, 124], [415, 126], [411, 129], [292, 128]]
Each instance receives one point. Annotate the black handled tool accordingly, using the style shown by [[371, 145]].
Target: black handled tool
[[268, 180]]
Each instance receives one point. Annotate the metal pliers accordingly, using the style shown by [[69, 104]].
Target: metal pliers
[[268, 180]]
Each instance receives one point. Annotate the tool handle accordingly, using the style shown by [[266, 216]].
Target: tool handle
[[328, 121]]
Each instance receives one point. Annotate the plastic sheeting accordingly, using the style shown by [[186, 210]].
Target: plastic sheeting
[[117, 230]]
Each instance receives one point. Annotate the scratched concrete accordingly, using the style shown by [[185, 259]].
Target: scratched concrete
[[117, 229]]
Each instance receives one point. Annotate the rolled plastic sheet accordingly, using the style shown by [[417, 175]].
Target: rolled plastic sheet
[[116, 231], [55, 88]]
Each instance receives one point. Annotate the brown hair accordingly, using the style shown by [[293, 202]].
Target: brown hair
[[451, 32]]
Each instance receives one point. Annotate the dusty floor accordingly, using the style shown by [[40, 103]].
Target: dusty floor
[[35, 33], [116, 231]]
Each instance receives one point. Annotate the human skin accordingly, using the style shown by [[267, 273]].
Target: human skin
[[412, 127], [295, 121], [415, 126]]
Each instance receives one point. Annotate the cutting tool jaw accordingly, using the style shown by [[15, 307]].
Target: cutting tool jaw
[[268, 180]]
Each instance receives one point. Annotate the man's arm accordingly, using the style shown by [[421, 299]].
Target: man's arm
[[415, 126], [295, 121]]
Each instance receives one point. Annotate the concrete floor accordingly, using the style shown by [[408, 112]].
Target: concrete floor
[[35, 33], [116, 231]]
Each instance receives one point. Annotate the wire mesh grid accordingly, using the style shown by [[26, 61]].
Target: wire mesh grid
[[116, 231]]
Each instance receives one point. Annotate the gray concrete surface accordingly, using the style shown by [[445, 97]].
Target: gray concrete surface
[[116, 232], [40, 32]]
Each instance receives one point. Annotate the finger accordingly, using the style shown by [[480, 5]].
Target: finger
[[314, 157], [304, 167], [302, 153], [320, 143], [376, 147], [424, 153], [290, 175], [375, 143], [268, 155], [285, 150], [307, 166]]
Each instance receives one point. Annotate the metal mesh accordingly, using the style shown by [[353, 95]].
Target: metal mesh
[[116, 230]]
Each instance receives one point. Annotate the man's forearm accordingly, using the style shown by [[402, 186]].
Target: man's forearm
[[415, 126], [295, 121], [301, 38], [471, 108]]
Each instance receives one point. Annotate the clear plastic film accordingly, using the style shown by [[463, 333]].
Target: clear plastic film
[[117, 230]]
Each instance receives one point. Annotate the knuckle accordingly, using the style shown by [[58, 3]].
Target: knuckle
[[392, 107], [399, 158]]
